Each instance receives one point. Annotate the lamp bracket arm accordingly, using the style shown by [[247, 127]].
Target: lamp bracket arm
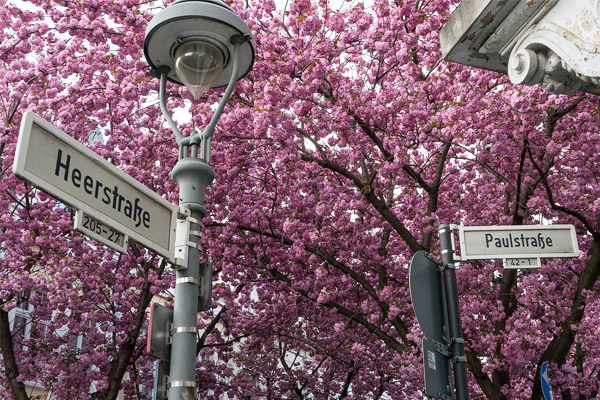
[[210, 128], [163, 104], [187, 140], [241, 39], [157, 72]]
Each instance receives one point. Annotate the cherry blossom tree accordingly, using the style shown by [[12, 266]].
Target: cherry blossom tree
[[77, 65], [336, 160], [348, 147]]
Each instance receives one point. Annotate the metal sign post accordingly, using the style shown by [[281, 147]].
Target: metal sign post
[[434, 296], [457, 343]]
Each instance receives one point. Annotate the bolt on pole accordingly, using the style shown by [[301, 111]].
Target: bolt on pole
[[457, 343]]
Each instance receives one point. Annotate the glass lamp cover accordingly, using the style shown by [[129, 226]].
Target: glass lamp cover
[[199, 65]]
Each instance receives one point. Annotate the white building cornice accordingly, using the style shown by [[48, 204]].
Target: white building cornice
[[553, 43]]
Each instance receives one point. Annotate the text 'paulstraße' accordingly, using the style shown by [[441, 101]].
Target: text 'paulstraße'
[[522, 241]]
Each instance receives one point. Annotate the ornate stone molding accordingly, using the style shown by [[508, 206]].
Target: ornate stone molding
[[553, 43]]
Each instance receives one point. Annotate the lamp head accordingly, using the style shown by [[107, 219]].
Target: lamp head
[[192, 40], [199, 64]]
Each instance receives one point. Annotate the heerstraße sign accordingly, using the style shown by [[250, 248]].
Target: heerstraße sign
[[526, 241], [61, 166]]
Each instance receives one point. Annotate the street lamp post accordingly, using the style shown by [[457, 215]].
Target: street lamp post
[[200, 44]]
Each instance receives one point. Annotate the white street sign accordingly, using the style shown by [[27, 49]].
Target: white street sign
[[53, 161], [517, 242]]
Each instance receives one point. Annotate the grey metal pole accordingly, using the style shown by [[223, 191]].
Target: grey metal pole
[[457, 344], [193, 175]]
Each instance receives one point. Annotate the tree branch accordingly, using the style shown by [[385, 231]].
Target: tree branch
[[556, 207], [371, 134], [555, 115], [434, 191], [213, 323], [397, 322], [354, 316], [375, 201], [126, 352]]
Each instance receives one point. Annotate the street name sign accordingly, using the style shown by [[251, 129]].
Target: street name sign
[[116, 205], [517, 242]]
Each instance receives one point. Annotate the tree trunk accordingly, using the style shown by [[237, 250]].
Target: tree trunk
[[8, 355]]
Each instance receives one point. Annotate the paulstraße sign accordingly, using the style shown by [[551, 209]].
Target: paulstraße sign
[[111, 200], [514, 242]]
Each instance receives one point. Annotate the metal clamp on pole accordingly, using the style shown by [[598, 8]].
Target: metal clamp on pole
[[187, 279], [448, 266], [188, 384], [185, 329], [182, 233], [186, 214], [454, 228], [182, 237], [205, 290], [435, 260], [441, 348], [449, 229]]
